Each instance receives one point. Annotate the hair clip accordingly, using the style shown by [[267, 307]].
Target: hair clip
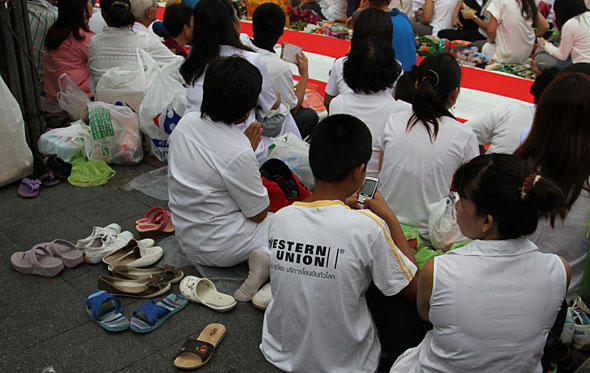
[[528, 184], [434, 75], [121, 4]]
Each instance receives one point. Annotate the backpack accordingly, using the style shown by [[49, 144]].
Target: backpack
[[283, 186]]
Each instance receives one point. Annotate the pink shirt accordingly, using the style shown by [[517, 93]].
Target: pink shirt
[[70, 57]]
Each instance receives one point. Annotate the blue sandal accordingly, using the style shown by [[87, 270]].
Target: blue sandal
[[151, 315], [105, 309]]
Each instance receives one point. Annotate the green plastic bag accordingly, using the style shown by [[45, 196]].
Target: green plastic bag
[[421, 252], [87, 173], [585, 288]]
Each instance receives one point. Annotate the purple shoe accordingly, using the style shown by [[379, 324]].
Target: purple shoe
[[29, 188]]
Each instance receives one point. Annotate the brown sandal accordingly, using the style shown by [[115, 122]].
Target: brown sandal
[[133, 288], [168, 273], [197, 352]]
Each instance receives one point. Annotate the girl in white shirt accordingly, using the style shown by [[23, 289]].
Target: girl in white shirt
[[424, 146], [493, 301], [435, 15], [572, 18]]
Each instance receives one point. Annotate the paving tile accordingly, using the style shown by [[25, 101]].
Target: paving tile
[[16, 209], [65, 195], [12, 350], [152, 363], [110, 208]]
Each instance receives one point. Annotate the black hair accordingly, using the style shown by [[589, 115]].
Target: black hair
[[494, 183], [231, 89], [72, 17], [118, 13], [371, 66], [268, 23], [372, 22], [437, 75], [566, 10], [580, 67], [379, 3], [542, 81], [175, 17], [529, 10], [406, 85], [213, 26], [339, 144]]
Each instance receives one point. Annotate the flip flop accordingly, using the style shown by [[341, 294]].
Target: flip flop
[[151, 315], [147, 217], [133, 288], [50, 180], [168, 273], [127, 249], [105, 309], [197, 352], [29, 188], [66, 251], [159, 224], [37, 261], [203, 291]]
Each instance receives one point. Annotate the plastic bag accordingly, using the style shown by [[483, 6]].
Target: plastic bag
[[153, 183], [66, 142], [295, 153], [161, 109], [16, 159], [127, 85], [442, 223], [89, 173], [115, 134], [72, 99]]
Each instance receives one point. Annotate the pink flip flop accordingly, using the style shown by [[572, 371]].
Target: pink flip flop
[[66, 251], [160, 224], [147, 218], [37, 261], [29, 188]]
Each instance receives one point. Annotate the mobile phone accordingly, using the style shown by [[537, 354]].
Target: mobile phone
[[289, 52], [368, 190]]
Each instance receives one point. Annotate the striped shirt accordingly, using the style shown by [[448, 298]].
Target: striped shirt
[[41, 16]]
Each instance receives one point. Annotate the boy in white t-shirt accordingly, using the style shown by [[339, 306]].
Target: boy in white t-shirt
[[325, 255], [219, 205]]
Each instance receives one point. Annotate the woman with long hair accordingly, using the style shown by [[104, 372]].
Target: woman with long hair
[[572, 18], [422, 148], [557, 147], [511, 29], [66, 47]]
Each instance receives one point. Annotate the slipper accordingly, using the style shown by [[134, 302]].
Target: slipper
[[127, 249], [105, 309], [159, 224], [29, 188], [70, 255], [147, 217], [37, 261], [50, 180], [151, 315], [133, 288], [262, 298], [139, 257], [197, 352], [203, 291], [167, 273]]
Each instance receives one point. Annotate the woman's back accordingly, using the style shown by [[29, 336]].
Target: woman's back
[[515, 35]]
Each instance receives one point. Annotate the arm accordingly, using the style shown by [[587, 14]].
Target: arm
[[492, 27], [471, 14], [568, 271], [381, 154], [542, 25], [303, 76], [327, 99], [456, 22], [259, 217], [425, 290], [277, 103], [428, 9], [565, 48]]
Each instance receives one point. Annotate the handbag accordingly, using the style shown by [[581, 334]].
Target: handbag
[[283, 186]]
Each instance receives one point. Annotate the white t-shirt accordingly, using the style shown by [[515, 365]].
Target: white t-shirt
[[373, 110], [515, 35], [568, 239], [442, 15], [214, 186], [575, 40], [96, 23], [417, 172], [323, 258], [492, 306], [334, 9], [266, 99], [336, 84], [116, 47], [501, 127]]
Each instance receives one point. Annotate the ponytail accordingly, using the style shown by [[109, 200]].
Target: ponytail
[[437, 76], [118, 12]]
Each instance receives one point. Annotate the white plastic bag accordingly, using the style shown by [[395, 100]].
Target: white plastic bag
[[161, 109], [72, 99], [442, 223], [66, 142], [295, 153], [127, 84], [115, 136], [16, 159]]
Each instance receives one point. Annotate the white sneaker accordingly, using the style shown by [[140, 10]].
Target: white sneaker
[[567, 334], [581, 340], [96, 232], [262, 297], [103, 245]]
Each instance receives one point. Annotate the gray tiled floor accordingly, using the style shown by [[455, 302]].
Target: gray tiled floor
[[44, 323]]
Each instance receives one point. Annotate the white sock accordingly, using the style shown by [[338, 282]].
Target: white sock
[[259, 263]]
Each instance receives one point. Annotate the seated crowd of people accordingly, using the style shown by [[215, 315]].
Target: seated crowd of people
[[347, 291]]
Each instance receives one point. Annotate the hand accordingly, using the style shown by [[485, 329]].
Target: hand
[[378, 206], [349, 23], [457, 23], [302, 64], [353, 201], [541, 42], [254, 134], [468, 13], [306, 2], [418, 14]]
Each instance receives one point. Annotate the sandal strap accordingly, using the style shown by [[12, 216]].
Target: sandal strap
[[55, 252], [34, 184], [197, 347], [151, 311], [152, 210], [31, 256], [99, 297], [160, 217]]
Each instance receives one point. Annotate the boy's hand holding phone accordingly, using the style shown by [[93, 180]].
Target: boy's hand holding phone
[[379, 206]]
